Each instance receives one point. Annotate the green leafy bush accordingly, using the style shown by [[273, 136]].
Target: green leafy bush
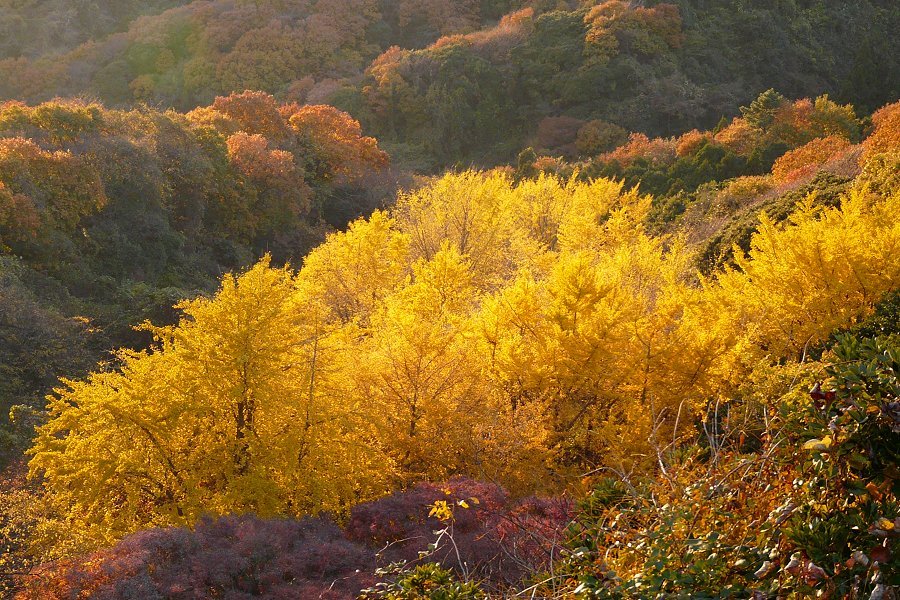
[[813, 511], [425, 582]]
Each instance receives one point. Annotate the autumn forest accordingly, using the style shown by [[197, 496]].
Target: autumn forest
[[449, 300]]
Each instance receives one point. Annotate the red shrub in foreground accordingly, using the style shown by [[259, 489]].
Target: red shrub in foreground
[[232, 557], [494, 538], [497, 539]]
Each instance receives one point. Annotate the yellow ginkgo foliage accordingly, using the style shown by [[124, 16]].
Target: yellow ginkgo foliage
[[525, 334], [232, 413], [354, 270], [598, 344], [416, 372], [818, 272]]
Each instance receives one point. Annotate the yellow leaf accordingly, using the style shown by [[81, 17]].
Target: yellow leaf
[[817, 444]]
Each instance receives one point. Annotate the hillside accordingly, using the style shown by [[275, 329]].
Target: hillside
[[430, 300], [660, 70], [186, 56], [550, 334], [36, 28], [479, 93], [110, 217]]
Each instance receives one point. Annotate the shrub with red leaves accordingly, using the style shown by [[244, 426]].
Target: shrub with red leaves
[[495, 538], [231, 557], [498, 540]]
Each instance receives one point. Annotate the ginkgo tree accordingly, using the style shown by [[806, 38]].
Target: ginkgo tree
[[526, 333], [231, 413], [419, 375], [358, 268], [820, 272], [597, 341]]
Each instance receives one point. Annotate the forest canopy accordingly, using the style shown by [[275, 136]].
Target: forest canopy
[[443, 83]]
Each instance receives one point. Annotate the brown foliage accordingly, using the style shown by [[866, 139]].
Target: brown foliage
[[19, 219], [444, 16], [254, 112], [657, 151], [616, 25], [796, 123], [886, 136], [739, 137], [806, 159], [557, 135], [691, 141], [250, 153], [337, 139], [58, 185]]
